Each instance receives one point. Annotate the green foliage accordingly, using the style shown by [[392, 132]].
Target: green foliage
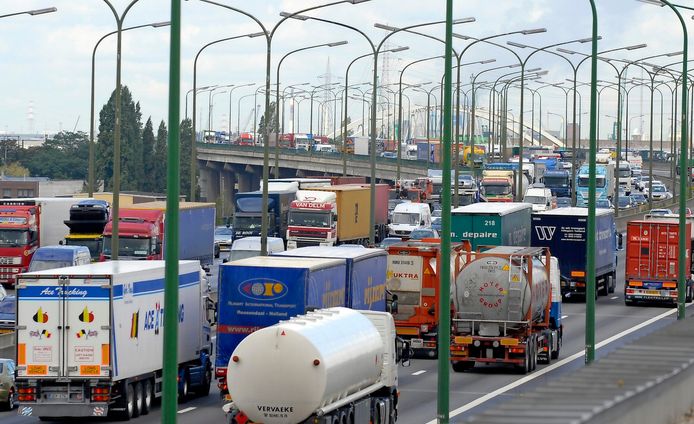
[[14, 169], [65, 156], [148, 159], [158, 173], [272, 128]]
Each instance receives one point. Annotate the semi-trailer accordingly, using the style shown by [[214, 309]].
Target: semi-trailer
[[329, 366], [492, 224], [90, 338]]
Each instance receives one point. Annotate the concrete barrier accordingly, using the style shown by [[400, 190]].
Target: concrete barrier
[[7, 346]]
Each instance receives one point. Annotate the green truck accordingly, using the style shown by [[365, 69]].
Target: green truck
[[492, 224]]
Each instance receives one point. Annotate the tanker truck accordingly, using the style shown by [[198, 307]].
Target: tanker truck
[[508, 309], [333, 365]]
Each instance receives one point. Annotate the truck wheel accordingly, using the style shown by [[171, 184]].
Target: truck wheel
[[207, 381], [533, 354], [613, 283], [137, 399], [688, 298], [146, 397], [462, 366], [184, 388], [605, 287], [128, 403]]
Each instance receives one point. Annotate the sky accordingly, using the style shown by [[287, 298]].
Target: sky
[[45, 61]]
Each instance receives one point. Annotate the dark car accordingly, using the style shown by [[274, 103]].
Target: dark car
[[639, 199], [222, 239], [436, 223], [8, 314], [563, 202], [422, 233], [625, 202], [388, 241]]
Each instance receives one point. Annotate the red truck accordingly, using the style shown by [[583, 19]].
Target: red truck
[[652, 261], [412, 281]]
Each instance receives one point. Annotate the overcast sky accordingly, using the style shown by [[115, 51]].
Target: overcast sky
[[45, 60]]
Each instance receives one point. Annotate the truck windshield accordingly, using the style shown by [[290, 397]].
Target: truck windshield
[[14, 238], [599, 181], [41, 265], [309, 219], [407, 218], [247, 222], [138, 247], [556, 181], [94, 246], [538, 200], [497, 189], [624, 173]]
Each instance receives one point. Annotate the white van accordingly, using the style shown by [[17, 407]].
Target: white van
[[408, 216], [249, 247], [540, 198], [50, 257]]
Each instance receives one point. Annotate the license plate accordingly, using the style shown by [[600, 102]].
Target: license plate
[[416, 343], [56, 396], [653, 292]]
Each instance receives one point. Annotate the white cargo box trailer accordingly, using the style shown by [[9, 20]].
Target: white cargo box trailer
[[90, 338]]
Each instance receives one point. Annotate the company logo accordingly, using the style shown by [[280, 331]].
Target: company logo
[[40, 334], [86, 315], [40, 316], [86, 334], [263, 289], [134, 320], [544, 232]]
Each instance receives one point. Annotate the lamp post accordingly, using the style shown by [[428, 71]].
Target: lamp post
[[33, 12], [210, 109], [231, 91], [115, 206], [277, 88], [91, 176], [190, 91], [284, 98]]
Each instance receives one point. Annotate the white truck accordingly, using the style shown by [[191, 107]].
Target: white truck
[[335, 365], [90, 338], [407, 217], [624, 176]]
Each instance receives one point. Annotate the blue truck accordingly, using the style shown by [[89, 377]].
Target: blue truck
[[564, 232], [559, 181], [604, 183], [259, 292], [247, 219], [366, 272]]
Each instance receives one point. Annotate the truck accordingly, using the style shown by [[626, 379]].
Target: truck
[[328, 216], [365, 277], [563, 231], [302, 183], [26, 225], [652, 261], [500, 181], [329, 366], [90, 338], [624, 176], [249, 207], [407, 217], [412, 281], [142, 236], [492, 224], [559, 181], [258, 292], [604, 183], [87, 221], [506, 309]]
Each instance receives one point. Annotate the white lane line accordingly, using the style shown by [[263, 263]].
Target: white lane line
[[614, 297], [564, 316], [420, 372], [552, 367], [183, 411]]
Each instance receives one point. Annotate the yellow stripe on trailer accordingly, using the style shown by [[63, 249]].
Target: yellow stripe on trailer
[[407, 331], [462, 340], [509, 342]]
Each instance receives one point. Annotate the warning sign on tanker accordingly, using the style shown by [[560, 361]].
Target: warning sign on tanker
[[404, 273]]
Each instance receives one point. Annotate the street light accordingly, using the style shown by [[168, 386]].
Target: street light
[[34, 12], [231, 91], [91, 177], [277, 105]]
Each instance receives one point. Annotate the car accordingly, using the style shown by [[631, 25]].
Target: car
[[8, 314], [422, 233], [388, 241], [563, 202], [466, 182], [8, 392], [436, 213], [625, 202], [660, 192], [638, 199], [603, 204], [390, 155], [660, 212], [436, 223], [223, 236]]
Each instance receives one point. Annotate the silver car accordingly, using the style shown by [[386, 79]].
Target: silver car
[[8, 392]]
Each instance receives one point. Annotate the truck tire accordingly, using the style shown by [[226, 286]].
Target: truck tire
[[688, 298], [137, 399], [555, 353], [613, 283], [127, 403], [533, 353], [147, 397], [524, 368], [462, 366], [206, 382], [184, 389], [605, 286]]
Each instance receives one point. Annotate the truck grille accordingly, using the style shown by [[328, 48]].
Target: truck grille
[[10, 260]]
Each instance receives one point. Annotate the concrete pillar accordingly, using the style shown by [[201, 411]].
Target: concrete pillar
[[209, 184], [244, 180], [227, 184]]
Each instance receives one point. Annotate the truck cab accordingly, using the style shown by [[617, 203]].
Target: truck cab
[[140, 235], [624, 176], [558, 181], [408, 216], [50, 257]]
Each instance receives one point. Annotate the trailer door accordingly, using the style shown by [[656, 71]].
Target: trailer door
[[87, 312], [39, 337]]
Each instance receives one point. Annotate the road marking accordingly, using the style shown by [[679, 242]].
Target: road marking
[[614, 297], [552, 367], [420, 372], [183, 411], [564, 316]]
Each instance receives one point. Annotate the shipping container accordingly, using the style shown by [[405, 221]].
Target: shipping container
[[353, 208], [492, 224]]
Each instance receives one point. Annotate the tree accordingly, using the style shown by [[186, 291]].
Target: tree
[[14, 169], [148, 158], [186, 134], [64, 156], [272, 128], [132, 168], [159, 166]]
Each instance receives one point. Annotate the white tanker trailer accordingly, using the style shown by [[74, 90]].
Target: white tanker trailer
[[507, 309], [329, 366]]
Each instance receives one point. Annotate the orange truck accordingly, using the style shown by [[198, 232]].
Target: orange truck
[[412, 281]]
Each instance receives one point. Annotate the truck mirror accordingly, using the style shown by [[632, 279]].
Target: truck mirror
[[211, 311], [403, 351], [620, 241]]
